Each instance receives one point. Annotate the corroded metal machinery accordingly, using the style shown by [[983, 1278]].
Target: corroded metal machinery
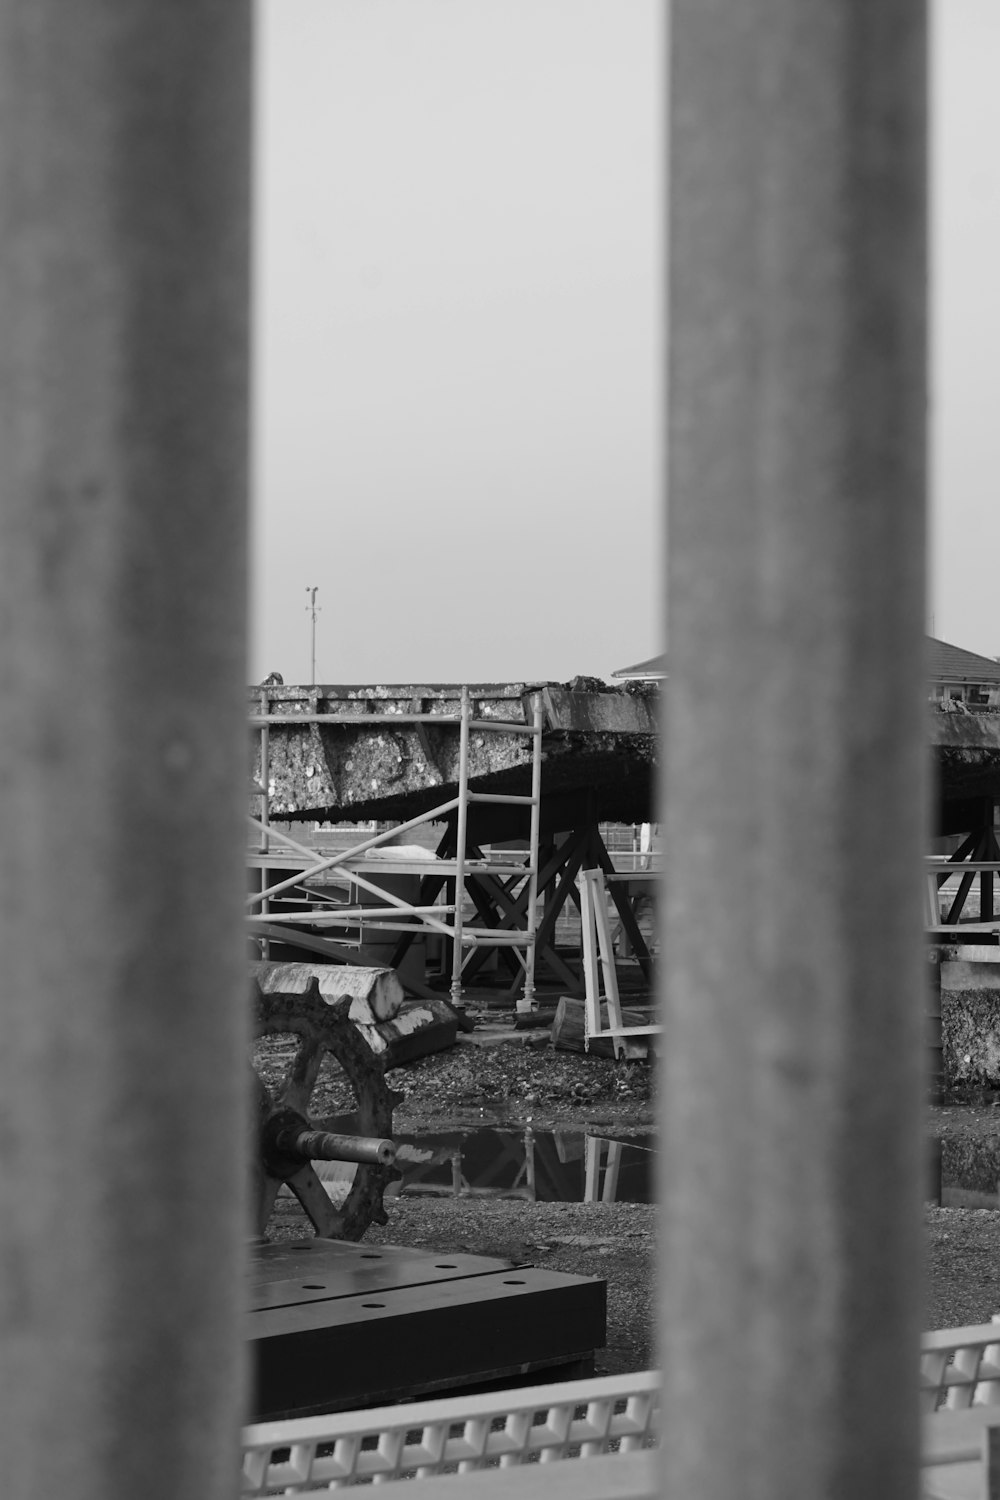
[[325, 1312], [290, 1141]]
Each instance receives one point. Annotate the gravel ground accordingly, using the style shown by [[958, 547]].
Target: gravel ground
[[963, 1243], [520, 1080]]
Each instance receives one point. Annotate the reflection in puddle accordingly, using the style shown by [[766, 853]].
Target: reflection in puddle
[[969, 1172], [545, 1166], [575, 1166]]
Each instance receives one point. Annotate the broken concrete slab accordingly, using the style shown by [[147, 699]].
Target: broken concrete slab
[[376, 994], [421, 1027]]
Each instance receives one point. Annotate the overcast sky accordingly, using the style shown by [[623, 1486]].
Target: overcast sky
[[459, 336]]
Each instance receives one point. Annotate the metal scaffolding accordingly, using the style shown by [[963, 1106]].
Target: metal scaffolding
[[465, 873]]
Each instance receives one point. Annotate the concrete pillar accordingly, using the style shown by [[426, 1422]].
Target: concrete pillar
[[794, 1003], [124, 164]]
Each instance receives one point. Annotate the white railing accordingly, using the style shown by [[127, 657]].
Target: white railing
[[613, 1421], [580, 1419]]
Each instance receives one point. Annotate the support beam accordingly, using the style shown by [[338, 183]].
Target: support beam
[[124, 168], [791, 1092]]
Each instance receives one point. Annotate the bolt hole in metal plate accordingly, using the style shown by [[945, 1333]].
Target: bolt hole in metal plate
[[348, 1271], [445, 1329]]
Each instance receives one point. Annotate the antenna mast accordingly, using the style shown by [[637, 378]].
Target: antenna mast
[[311, 608]]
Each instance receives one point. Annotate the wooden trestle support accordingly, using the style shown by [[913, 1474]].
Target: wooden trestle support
[[501, 902], [978, 854]]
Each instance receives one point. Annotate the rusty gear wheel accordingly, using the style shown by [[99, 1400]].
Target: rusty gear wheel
[[323, 1028]]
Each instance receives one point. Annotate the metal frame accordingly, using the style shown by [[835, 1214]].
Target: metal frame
[[448, 919], [599, 959], [940, 869]]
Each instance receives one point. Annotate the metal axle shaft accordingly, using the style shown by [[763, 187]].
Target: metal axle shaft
[[323, 1145]]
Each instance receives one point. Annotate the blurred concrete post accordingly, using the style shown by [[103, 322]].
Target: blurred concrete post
[[794, 745], [124, 165]]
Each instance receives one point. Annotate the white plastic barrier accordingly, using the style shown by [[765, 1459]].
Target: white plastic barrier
[[960, 1399], [578, 1419], [960, 1367], [601, 1418]]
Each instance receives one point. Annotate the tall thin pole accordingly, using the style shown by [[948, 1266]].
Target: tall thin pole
[[526, 1002], [124, 172], [311, 607], [461, 830], [791, 1089]]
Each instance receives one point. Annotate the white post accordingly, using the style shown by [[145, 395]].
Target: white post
[[461, 827], [124, 168], [526, 1003], [791, 1089]]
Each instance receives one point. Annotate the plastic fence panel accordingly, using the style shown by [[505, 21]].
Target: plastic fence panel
[[575, 1420]]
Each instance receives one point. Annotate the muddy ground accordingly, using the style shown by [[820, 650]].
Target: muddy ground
[[524, 1082], [963, 1240]]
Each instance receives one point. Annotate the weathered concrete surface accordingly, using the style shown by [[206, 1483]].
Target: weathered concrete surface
[[124, 299], [965, 757], [376, 994], [970, 1034], [597, 739], [970, 1014], [794, 750], [598, 745]]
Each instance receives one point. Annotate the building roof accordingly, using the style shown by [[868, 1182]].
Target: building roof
[[644, 671], [945, 663], [952, 664]]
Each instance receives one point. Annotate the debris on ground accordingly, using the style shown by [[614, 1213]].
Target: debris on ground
[[515, 1083]]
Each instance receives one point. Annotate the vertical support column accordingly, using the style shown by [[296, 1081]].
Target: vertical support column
[[265, 810], [794, 994], [526, 1000], [124, 167], [461, 828], [989, 852]]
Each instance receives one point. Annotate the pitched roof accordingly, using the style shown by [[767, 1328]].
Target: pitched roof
[[952, 664], [945, 663], [644, 671]]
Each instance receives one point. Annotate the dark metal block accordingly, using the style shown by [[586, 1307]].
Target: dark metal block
[[363, 1327]]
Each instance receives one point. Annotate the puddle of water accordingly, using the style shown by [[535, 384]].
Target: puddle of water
[[576, 1166], [547, 1166], [544, 1166], [965, 1172]]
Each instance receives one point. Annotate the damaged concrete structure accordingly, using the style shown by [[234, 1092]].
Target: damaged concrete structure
[[599, 748], [325, 762], [599, 751], [535, 764]]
